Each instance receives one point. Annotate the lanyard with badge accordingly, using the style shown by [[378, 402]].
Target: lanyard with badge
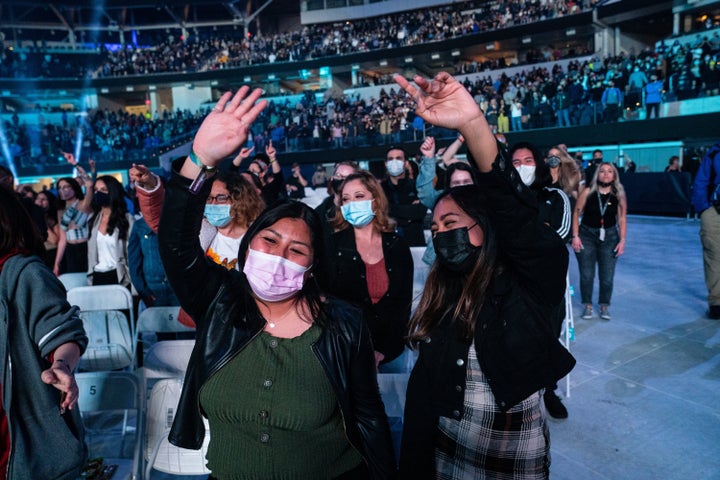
[[603, 208]]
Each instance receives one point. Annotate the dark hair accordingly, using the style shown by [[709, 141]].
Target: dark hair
[[18, 229], [51, 214], [311, 291], [254, 179], [456, 297], [75, 186], [118, 207], [543, 177], [459, 166], [394, 147]]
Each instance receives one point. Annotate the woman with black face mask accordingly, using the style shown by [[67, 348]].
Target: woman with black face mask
[[109, 231], [484, 325], [598, 236]]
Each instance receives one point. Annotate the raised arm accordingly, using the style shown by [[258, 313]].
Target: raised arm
[[444, 102], [452, 150], [224, 130]]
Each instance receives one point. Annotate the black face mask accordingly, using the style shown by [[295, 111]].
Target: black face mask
[[604, 184], [335, 183], [454, 250], [102, 199]]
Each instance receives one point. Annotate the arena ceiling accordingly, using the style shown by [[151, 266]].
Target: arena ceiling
[[62, 17]]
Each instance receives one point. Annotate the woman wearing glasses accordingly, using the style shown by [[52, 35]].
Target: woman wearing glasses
[[231, 207]]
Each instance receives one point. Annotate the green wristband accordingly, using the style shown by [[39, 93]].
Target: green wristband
[[196, 160]]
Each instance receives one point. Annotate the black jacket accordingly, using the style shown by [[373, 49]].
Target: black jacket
[[517, 348], [388, 319], [216, 299], [408, 214]]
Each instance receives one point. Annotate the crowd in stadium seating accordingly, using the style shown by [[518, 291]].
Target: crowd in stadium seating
[[107, 135], [208, 50], [539, 97]]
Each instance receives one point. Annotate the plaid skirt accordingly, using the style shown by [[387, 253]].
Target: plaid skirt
[[489, 444]]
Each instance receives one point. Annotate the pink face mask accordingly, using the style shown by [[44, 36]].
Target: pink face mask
[[273, 278]]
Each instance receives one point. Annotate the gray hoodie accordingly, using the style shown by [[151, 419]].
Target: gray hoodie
[[36, 319]]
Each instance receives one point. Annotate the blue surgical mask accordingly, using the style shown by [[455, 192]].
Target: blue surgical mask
[[395, 167], [358, 214], [217, 215]]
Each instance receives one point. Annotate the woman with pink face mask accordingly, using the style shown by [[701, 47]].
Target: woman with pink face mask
[[284, 375]]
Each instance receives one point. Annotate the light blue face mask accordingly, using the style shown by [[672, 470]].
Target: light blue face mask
[[358, 214], [217, 215]]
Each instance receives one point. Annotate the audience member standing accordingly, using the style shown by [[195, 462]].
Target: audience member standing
[[284, 375], [76, 207], [483, 326], [405, 207], [599, 237], [371, 266], [706, 201], [109, 232], [41, 430], [653, 97], [612, 102]]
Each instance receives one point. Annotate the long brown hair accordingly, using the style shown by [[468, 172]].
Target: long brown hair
[[570, 176], [380, 205], [454, 297]]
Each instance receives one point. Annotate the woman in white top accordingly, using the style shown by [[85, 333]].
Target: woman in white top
[[109, 231]]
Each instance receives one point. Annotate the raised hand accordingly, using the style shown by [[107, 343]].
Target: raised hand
[[86, 179], [244, 153], [70, 158], [142, 177], [270, 150], [444, 101], [428, 148], [225, 128]]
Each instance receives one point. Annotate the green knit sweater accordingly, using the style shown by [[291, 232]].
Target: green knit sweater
[[273, 414]]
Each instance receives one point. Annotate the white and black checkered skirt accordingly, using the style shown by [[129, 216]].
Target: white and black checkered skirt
[[489, 444]]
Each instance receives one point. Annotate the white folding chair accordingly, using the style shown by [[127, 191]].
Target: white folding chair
[[111, 335], [160, 454], [103, 395], [155, 320], [420, 272], [72, 280], [167, 358]]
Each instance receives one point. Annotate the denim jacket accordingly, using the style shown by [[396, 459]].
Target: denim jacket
[[146, 268]]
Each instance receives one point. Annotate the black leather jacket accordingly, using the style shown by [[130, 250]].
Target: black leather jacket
[[514, 336], [216, 298]]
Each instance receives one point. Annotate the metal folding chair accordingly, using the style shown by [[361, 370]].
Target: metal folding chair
[[154, 320], [103, 395], [72, 280], [111, 334]]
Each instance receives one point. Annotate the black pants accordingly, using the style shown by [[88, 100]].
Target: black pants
[[360, 472], [105, 278]]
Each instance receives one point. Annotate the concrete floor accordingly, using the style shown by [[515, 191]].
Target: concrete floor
[[645, 394]]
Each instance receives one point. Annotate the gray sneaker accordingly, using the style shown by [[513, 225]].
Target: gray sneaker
[[587, 313], [605, 313]]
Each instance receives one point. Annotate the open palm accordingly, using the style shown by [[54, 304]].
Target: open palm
[[225, 129]]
